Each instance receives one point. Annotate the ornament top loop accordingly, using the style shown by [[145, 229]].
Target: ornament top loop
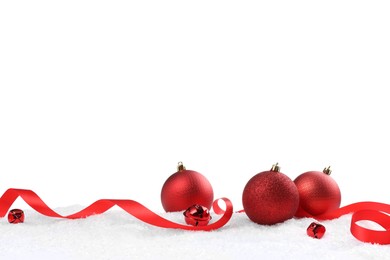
[[327, 170], [275, 168], [180, 167]]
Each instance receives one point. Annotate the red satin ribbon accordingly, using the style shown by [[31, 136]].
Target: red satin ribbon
[[130, 206], [370, 211]]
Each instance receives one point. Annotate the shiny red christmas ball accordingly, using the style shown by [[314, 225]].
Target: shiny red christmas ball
[[197, 215], [318, 193], [270, 197], [16, 216], [184, 189]]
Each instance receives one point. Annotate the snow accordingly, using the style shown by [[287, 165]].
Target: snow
[[117, 235]]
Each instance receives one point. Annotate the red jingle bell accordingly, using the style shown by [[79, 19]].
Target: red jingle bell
[[318, 193], [270, 197], [316, 230], [16, 216], [185, 188], [197, 215]]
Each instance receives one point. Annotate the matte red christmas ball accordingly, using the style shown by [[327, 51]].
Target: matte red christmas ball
[[318, 193], [184, 189], [270, 197]]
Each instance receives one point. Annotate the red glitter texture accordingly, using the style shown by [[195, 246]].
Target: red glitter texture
[[270, 197]]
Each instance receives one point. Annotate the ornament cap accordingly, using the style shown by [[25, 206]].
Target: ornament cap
[[275, 168], [327, 170], [180, 167]]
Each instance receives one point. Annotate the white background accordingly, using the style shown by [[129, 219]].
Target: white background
[[101, 99]]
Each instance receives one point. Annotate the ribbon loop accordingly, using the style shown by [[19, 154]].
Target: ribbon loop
[[368, 235]]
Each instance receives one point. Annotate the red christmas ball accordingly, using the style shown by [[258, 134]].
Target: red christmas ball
[[270, 197], [184, 189], [318, 193]]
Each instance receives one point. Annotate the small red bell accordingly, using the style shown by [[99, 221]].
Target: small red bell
[[316, 230], [16, 216], [197, 215]]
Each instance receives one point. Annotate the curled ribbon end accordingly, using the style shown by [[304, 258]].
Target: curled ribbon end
[[217, 209]]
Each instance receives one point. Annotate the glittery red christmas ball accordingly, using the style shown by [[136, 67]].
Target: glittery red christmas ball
[[184, 189], [318, 193], [270, 197]]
